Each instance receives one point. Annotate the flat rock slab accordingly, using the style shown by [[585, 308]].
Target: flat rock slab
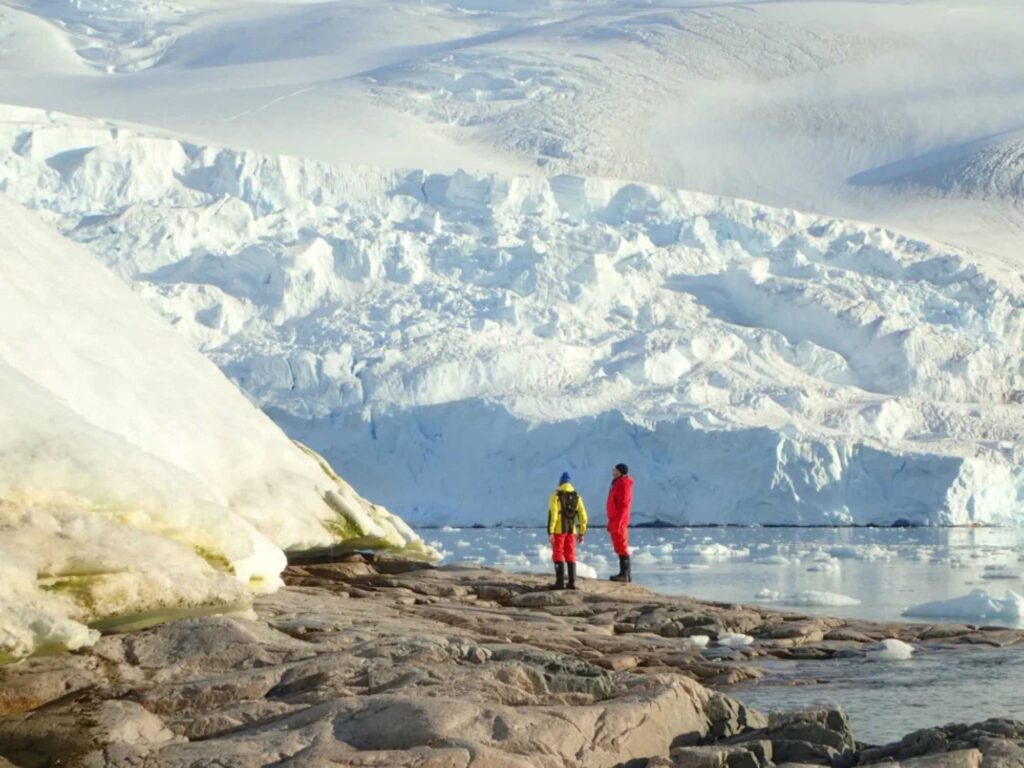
[[392, 664]]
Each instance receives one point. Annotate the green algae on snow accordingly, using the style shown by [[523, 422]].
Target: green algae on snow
[[372, 528], [215, 559], [81, 589], [77, 586], [132, 622]]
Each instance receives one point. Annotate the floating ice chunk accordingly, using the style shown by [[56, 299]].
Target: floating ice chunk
[[773, 560], [586, 571], [462, 544], [512, 561], [1000, 572], [807, 598], [891, 650], [862, 552], [449, 529], [978, 604], [735, 640], [827, 566], [718, 551], [644, 558], [438, 547], [699, 641]]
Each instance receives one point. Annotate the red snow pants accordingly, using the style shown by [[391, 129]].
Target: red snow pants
[[620, 538], [563, 550]]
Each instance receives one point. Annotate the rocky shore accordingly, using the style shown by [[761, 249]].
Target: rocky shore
[[363, 663]]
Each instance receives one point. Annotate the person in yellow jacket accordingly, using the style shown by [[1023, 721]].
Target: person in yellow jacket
[[567, 524]]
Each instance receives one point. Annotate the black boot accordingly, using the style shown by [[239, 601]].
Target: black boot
[[559, 576], [624, 574], [572, 576]]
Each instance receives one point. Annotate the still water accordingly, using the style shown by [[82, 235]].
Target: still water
[[870, 573]]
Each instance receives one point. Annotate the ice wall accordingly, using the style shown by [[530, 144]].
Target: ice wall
[[455, 341]]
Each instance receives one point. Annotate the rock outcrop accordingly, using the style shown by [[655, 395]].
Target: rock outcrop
[[395, 664]]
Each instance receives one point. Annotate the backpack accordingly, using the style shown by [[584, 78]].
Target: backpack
[[568, 505]]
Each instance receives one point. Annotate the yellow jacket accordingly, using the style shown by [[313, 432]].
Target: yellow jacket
[[555, 512]]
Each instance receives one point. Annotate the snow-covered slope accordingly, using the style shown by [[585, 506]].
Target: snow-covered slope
[[781, 102], [991, 168], [135, 480], [456, 341]]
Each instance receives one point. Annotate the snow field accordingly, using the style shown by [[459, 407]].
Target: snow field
[[902, 112]]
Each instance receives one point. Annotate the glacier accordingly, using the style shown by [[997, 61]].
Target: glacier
[[456, 340], [158, 489]]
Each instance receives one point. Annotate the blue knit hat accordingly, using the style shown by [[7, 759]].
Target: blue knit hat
[[565, 478]]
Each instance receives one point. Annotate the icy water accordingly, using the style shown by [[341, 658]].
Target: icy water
[[887, 700], [871, 573]]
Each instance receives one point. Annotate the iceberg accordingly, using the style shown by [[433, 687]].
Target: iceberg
[[976, 605]]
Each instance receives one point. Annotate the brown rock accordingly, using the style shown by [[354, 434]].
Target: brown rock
[[619, 662], [964, 758], [53, 734]]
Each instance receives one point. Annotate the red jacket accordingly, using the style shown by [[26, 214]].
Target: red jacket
[[620, 501]]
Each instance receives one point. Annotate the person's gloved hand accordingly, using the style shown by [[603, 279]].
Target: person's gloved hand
[[579, 538]]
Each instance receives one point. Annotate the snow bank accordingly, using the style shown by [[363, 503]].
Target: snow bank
[[135, 480], [454, 340], [977, 605]]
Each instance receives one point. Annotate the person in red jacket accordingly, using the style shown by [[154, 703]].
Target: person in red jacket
[[620, 503]]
